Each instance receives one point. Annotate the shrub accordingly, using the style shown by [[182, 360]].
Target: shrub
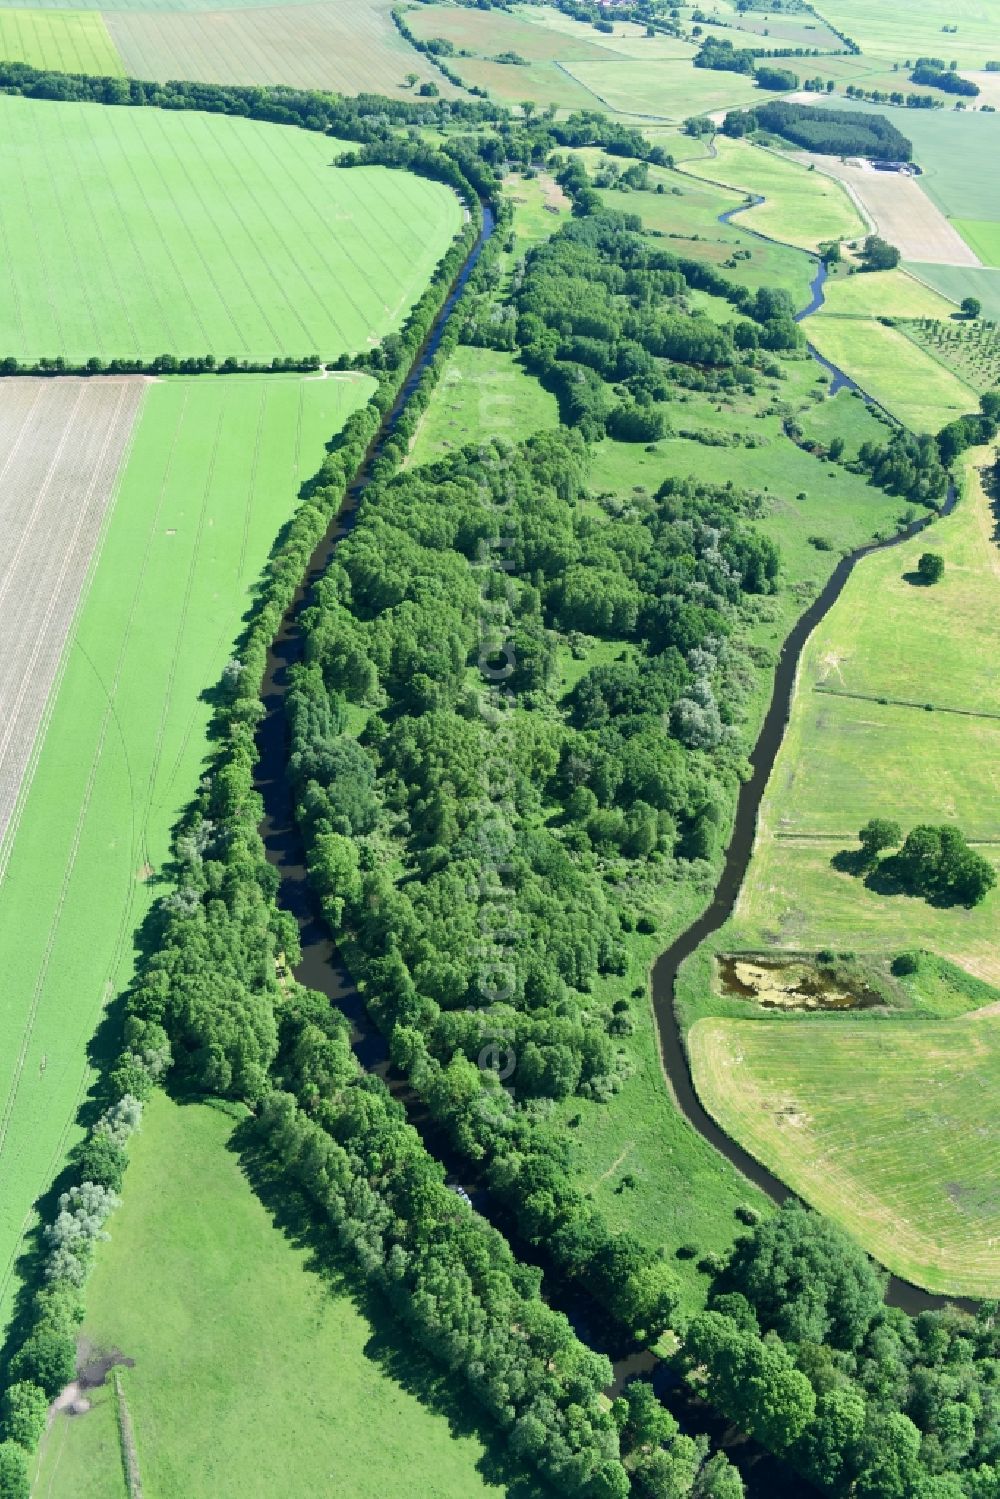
[[905, 963]]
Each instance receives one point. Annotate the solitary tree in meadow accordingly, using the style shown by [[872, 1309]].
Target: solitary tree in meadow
[[971, 307], [930, 568]]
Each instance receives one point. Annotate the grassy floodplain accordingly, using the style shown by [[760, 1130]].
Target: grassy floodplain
[[882, 294], [846, 759], [214, 470], [257, 1371], [913, 386], [885, 1125], [137, 232], [802, 208]]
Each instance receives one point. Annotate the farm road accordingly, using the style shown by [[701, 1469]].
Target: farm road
[[62, 442]]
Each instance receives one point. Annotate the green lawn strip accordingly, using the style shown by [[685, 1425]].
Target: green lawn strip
[[983, 236], [138, 232], [258, 1368], [844, 761], [214, 470], [884, 1125]]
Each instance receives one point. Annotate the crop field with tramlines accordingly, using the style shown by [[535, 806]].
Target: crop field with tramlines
[[212, 474], [66, 41], [61, 447], [138, 232], [344, 48]]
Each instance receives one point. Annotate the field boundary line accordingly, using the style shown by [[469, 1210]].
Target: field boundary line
[[903, 702]]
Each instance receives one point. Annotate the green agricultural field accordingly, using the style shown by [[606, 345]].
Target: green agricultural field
[[895, 32], [257, 1371], [137, 232], [918, 390], [884, 1125], [349, 49], [67, 41], [970, 349], [214, 470], [983, 236], [846, 759], [958, 282], [482, 392], [883, 294], [802, 208]]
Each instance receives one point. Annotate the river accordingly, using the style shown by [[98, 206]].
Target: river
[[322, 967]]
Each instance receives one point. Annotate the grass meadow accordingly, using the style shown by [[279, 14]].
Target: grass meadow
[[914, 387], [984, 237], [257, 1368], [885, 1125], [66, 41], [802, 208], [882, 294], [138, 232], [845, 759], [213, 472]]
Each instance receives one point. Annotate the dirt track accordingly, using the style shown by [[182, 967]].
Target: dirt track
[[900, 211], [61, 447]]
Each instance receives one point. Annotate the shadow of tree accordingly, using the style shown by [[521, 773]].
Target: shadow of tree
[[850, 861]]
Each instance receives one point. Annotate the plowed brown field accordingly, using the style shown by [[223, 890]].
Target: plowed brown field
[[61, 448]]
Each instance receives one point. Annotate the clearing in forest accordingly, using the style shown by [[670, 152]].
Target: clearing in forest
[[61, 448], [885, 1125], [214, 470], [137, 232]]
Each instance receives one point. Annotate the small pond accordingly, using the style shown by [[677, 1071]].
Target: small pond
[[794, 983]]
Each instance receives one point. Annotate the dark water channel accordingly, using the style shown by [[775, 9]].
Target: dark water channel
[[322, 968]]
